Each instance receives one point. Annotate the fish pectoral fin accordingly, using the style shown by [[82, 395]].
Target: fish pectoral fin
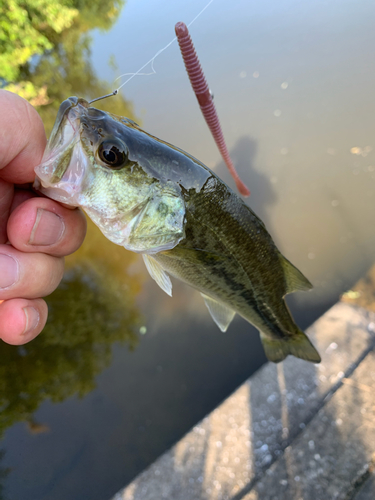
[[298, 345], [221, 314], [158, 274], [295, 280]]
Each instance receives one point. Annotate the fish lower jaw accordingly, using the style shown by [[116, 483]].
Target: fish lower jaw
[[119, 237], [58, 193], [114, 228], [122, 233]]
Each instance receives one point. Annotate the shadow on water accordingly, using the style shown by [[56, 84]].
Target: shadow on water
[[262, 196]]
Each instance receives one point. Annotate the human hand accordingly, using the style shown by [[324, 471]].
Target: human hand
[[35, 232]]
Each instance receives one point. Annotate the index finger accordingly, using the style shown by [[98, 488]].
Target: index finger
[[22, 139]]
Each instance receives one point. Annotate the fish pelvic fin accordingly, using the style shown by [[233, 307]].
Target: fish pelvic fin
[[158, 274], [297, 345], [294, 279]]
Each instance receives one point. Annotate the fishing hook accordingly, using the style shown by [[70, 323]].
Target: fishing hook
[[104, 96]]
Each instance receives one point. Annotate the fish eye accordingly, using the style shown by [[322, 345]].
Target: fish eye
[[113, 153]]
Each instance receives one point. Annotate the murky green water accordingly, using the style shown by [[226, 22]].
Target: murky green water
[[90, 403]]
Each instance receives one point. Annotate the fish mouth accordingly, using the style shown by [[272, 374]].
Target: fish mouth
[[66, 126], [62, 113], [62, 168]]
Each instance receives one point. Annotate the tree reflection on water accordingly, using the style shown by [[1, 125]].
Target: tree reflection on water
[[46, 60], [89, 311]]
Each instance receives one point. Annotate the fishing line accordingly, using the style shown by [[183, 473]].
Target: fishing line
[[151, 61]]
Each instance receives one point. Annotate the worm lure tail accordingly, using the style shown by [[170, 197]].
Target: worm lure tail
[[203, 94]]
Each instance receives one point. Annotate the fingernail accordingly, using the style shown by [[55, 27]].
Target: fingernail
[[48, 228], [8, 271], [32, 319]]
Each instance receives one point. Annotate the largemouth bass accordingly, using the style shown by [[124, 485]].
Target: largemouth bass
[[155, 199]]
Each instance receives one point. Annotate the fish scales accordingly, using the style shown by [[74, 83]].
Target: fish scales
[[155, 199], [233, 268]]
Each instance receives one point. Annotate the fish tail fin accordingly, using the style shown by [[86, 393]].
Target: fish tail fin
[[298, 345]]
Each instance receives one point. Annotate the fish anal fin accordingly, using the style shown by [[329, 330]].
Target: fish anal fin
[[221, 314], [158, 274], [298, 345], [294, 279]]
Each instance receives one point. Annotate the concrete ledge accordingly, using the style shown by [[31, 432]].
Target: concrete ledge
[[292, 431]]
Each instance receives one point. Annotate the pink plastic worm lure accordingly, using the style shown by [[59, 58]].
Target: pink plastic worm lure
[[202, 92]]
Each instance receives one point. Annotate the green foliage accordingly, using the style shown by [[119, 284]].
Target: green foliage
[[97, 13], [45, 51], [24, 29]]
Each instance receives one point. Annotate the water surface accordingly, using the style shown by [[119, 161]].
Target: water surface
[[293, 84]]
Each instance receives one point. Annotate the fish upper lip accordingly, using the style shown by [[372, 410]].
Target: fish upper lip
[[71, 124], [66, 108], [53, 150]]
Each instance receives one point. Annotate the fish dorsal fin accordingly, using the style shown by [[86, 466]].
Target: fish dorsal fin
[[221, 314], [158, 274], [294, 279]]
